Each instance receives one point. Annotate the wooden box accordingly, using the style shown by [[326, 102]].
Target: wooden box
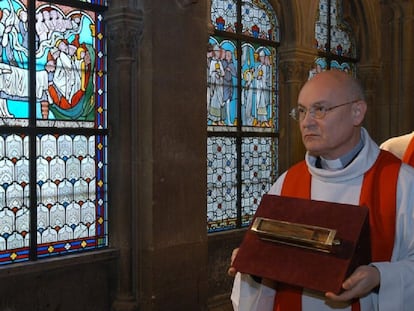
[[300, 257]]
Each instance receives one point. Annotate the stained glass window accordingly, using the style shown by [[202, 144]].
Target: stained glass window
[[242, 110], [53, 131], [333, 39]]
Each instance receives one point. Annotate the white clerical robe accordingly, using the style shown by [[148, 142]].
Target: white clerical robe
[[396, 292]]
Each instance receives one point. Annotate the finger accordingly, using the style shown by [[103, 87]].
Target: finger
[[233, 255], [232, 271], [345, 296], [353, 280]]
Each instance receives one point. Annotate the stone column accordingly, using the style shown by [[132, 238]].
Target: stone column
[[397, 64], [124, 28], [294, 71], [369, 76]]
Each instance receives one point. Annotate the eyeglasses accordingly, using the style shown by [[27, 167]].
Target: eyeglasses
[[316, 112]]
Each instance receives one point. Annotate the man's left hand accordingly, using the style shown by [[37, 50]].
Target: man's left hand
[[361, 282]]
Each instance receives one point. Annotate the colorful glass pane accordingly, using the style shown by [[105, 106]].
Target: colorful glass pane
[[69, 91], [14, 198], [224, 15], [14, 74], [344, 66], [241, 102], [71, 193], [221, 83], [341, 42], [258, 20], [322, 65], [69, 60], [221, 183], [69, 66], [258, 80], [258, 172], [99, 2], [258, 86]]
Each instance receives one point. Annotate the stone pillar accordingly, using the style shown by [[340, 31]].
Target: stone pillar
[[170, 242], [369, 76], [294, 71], [397, 64], [124, 30]]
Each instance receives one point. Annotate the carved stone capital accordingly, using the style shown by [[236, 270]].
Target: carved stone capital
[[124, 29], [293, 71]]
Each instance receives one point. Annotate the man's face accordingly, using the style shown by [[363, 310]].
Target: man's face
[[337, 132]]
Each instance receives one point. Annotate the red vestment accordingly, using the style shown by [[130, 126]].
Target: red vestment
[[378, 193]]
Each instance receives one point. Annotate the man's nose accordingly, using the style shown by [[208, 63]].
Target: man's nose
[[308, 119]]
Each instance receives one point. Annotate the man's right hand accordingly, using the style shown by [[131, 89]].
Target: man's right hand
[[232, 271]]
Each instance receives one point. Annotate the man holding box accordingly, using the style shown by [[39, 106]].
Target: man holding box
[[344, 165]]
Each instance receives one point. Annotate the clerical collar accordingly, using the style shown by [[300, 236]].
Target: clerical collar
[[341, 162]]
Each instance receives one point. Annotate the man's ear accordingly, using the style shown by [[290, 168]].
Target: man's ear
[[359, 109]]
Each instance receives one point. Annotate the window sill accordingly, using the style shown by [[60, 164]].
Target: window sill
[[58, 262]]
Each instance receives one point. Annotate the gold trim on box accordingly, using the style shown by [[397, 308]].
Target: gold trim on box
[[295, 234]]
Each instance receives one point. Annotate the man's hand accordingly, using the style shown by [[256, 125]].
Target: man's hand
[[361, 282], [232, 271]]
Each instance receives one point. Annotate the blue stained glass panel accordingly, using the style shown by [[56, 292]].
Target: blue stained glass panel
[[341, 40], [70, 180], [258, 82], [71, 191], [221, 82], [70, 66], [258, 20], [241, 62], [14, 199], [14, 75], [70, 73], [98, 2], [258, 87], [221, 183], [259, 158], [224, 15]]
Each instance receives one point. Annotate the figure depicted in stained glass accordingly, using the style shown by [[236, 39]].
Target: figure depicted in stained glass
[[70, 85], [65, 62], [248, 32], [248, 84], [14, 57], [9, 34], [216, 73], [209, 59], [23, 29], [229, 72], [70, 65], [41, 28], [247, 100], [262, 86]]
